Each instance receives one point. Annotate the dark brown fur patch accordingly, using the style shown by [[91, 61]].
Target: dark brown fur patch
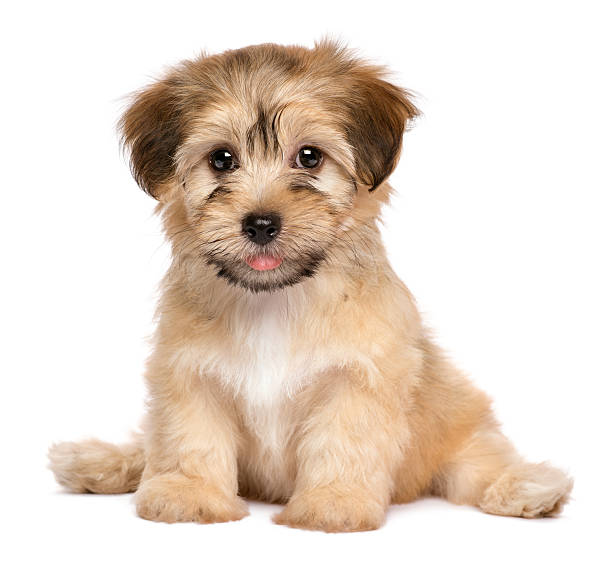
[[304, 181], [218, 191], [262, 129], [378, 115], [152, 130]]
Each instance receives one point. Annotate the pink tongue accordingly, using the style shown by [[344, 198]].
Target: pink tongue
[[264, 262]]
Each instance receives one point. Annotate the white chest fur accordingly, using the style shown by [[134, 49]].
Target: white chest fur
[[261, 372], [260, 365]]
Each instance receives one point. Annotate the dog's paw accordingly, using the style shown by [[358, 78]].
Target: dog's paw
[[176, 498], [332, 511], [528, 490]]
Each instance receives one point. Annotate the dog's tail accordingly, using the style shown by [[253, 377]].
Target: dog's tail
[[93, 466]]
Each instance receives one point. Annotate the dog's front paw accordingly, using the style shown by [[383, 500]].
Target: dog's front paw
[[332, 510], [175, 498], [528, 490]]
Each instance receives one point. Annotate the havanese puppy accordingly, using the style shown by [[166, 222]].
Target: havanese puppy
[[290, 363]]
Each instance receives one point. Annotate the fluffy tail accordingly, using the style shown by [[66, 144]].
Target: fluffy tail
[[94, 466]]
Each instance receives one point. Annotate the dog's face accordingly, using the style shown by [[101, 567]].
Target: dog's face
[[264, 152]]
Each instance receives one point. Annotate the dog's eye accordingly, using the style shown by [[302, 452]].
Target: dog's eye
[[308, 157], [222, 159]]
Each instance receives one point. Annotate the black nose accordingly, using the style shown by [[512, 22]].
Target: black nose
[[261, 228]]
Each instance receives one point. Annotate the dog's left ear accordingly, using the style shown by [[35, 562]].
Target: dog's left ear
[[379, 113]]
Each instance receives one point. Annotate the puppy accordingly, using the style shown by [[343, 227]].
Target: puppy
[[290, 363]]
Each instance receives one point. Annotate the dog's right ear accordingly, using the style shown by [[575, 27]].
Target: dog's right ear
[[152, 129]]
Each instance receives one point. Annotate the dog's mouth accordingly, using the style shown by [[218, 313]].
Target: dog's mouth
[[267, 272]]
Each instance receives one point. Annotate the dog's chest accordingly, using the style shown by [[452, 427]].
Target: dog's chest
[[262, 375], [263, 369]]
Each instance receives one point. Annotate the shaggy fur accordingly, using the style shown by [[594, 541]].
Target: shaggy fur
[[313, 384]]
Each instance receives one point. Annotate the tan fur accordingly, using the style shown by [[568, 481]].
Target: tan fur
[[314, 384]]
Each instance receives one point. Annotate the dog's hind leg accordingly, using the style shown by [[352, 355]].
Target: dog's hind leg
[[487, 472], [95, 466]]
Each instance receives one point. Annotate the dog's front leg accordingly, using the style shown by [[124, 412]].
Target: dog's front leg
[[191, 441], [348, 450]]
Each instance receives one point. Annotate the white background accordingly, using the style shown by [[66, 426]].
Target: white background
[[500, 227]]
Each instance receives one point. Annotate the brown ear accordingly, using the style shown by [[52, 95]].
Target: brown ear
[[378, 116], [151, 131]]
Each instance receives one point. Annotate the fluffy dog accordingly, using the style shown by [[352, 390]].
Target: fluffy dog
[[290, 363]]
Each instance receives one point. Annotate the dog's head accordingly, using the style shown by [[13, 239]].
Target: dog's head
[[262, 154]]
